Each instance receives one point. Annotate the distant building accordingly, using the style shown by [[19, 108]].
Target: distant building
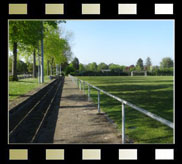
[[127, 69]]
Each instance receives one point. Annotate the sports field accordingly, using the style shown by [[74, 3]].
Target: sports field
[[153, 93]]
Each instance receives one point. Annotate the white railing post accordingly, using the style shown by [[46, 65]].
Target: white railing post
[[98, 101], [123, 123]]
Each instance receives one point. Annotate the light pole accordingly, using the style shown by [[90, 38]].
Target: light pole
[[42, 55], [39, 63], [60, 69]]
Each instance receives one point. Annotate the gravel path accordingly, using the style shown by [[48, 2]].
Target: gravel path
[[78, 121]]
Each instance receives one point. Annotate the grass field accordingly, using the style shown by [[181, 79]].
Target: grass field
[[23, 86], [153, 93]]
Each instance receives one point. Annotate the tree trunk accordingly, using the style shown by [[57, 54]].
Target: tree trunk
[[51, 69], [48, 67], [34, 64], [14, 69], [52, 66]]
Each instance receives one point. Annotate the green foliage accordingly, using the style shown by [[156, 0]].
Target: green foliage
[[148, 63], [30, 67], [115, 67], [27, 36], [81, 68], [21, 67], [69, 69], [11, 78], [102, 66], [132, 68], [56, 48], [162, 71], [10, 62], [166, 63], [139, 65], [75, 63], [92, 66]]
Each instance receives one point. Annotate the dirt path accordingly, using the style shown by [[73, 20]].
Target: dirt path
[[78, 121]]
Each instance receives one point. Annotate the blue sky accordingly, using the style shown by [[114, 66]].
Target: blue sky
[[121, 41]]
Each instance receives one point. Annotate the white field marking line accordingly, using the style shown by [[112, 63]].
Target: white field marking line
[[151, 115], [28, 113]]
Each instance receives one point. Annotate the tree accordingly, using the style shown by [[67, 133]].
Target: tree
[[123, 67], [69, 69], [75, 63], [132, 68], [30, 67], [15, 35], [139, 65], [148, 63], [166, 62], [57, 50], [81, 68], [25, 34], [91, 67], [115, 67], [102, 66]]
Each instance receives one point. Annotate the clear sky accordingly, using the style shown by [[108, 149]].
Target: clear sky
[[121, 41]]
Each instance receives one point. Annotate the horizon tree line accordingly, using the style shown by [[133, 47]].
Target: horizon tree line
[[166, 63]]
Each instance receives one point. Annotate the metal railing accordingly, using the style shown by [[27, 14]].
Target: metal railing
[[81, 83]]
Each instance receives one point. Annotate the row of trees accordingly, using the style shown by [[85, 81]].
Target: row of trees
[[166, 67], [164, 64], [29, 39]]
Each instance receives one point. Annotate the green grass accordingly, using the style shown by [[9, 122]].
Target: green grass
[[23, 86], [153, 93]]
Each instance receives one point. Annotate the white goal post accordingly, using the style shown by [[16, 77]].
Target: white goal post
[[139, 73]]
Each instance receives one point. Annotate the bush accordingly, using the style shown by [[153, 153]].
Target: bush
[[69, 69], [162, 72], [12, 79]]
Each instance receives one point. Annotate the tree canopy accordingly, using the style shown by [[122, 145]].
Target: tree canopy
[[139, 64], [166, 62], [24, 38]]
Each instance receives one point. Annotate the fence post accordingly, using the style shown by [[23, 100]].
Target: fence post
[[98, 101], [123, 123], [88, 92]]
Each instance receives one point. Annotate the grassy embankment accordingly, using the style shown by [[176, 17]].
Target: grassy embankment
[[23, 86]]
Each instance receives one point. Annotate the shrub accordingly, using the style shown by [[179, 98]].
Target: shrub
[[12, 79]]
